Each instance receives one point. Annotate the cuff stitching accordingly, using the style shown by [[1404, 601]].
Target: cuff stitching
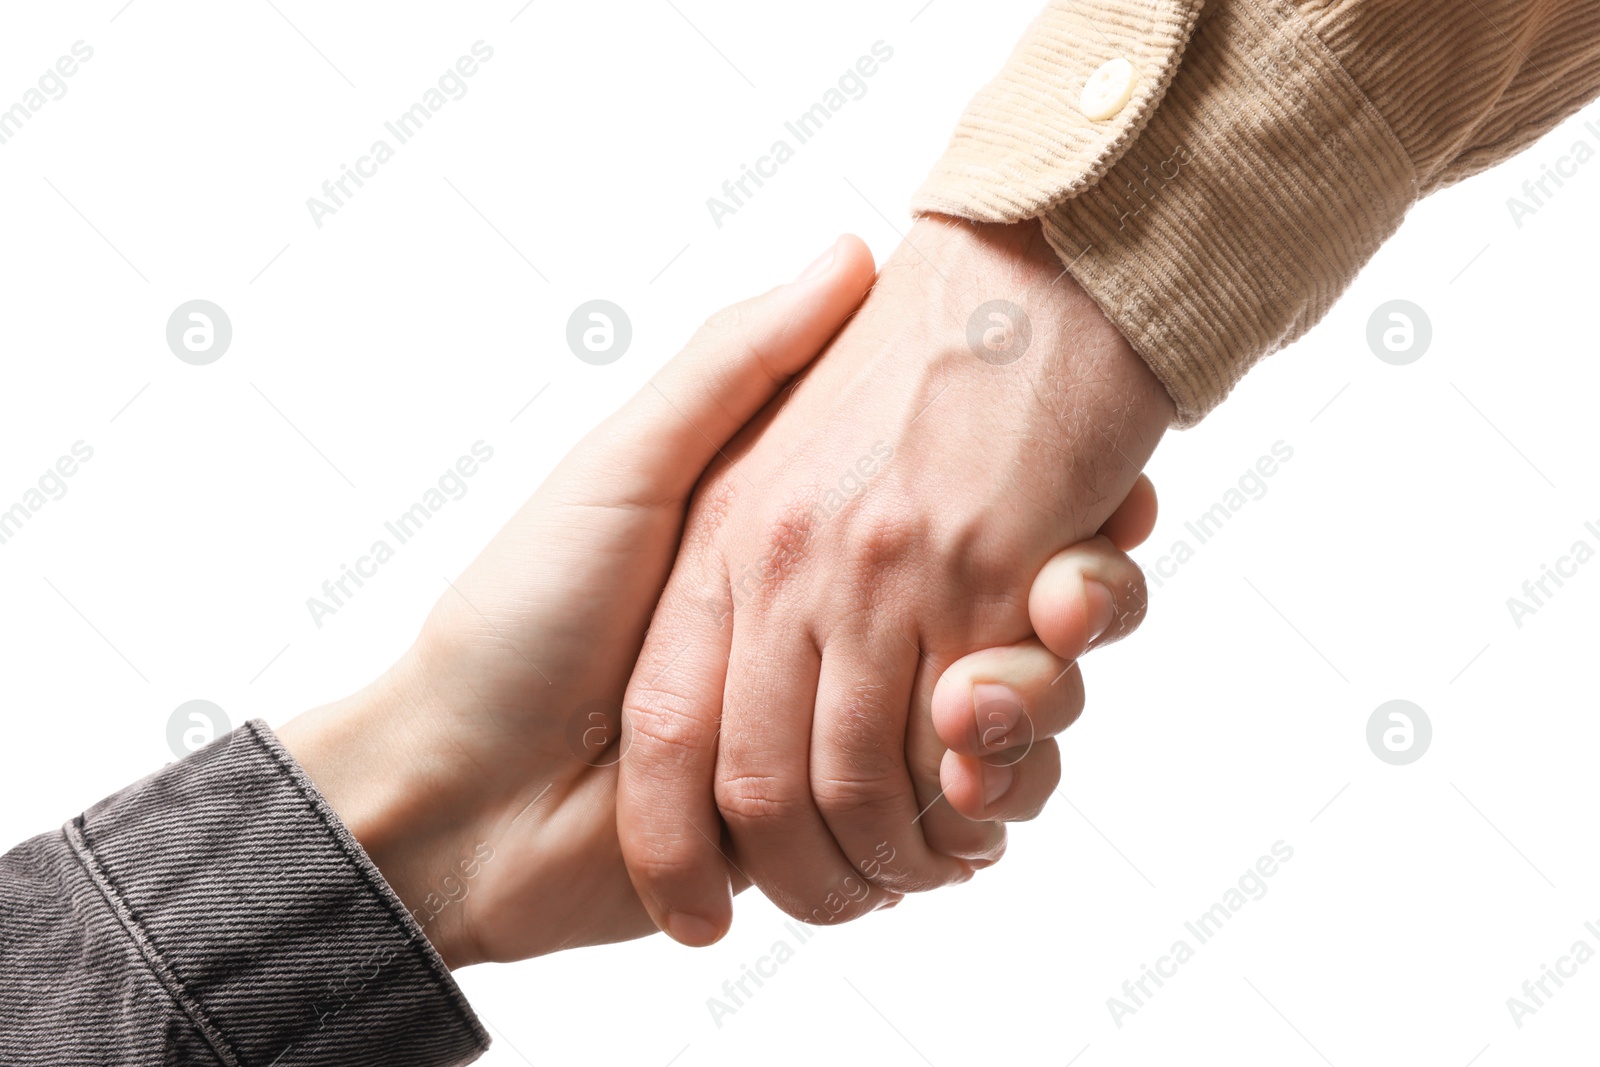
[[77, 834], [370, 875]]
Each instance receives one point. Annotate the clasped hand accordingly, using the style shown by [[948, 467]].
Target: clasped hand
[[632, 732]]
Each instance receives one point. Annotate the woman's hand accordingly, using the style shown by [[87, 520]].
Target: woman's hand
[[494, 736]]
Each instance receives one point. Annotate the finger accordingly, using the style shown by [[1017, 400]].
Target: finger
[[995, 707], [655, 448], [997, 702], [763, 790], [666, 819], [1086, 596], [994, 790], [999, 709], [1135, 518], [944, 830], [651, 453], [859, 773]]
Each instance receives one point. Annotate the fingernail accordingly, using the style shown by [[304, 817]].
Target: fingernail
[[1102, 608], [997, 709], [996, 780], [887, 903], [691, 930], [821, 265]]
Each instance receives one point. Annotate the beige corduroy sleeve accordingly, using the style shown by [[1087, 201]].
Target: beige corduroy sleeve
[[1268, 149]]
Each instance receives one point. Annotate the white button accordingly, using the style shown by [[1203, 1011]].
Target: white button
[[1108, 90]]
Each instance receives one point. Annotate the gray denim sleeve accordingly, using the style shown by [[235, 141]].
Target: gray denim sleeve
[[217, 912]]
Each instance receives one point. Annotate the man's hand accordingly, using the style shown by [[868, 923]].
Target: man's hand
[[876, 523], [479, 772]]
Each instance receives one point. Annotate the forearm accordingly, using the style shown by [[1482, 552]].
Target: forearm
[[383, 760]]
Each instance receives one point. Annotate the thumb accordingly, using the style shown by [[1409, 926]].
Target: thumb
[[654, 449]]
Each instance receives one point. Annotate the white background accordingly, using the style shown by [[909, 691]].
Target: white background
[[416, 322]]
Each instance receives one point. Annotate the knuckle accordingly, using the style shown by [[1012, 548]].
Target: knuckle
[[662, 860], [755, 800], [662, 721], [866, 730], [782, 547], [880, 538], [725, 321], [859, 798], [786, 537], [991, 574], [863, 773], [984, 560]]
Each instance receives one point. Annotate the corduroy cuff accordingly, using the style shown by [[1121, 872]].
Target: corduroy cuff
[[1243, 195]]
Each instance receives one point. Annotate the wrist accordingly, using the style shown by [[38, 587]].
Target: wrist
[[1008, 351], [1068, 342], [369, 757]]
